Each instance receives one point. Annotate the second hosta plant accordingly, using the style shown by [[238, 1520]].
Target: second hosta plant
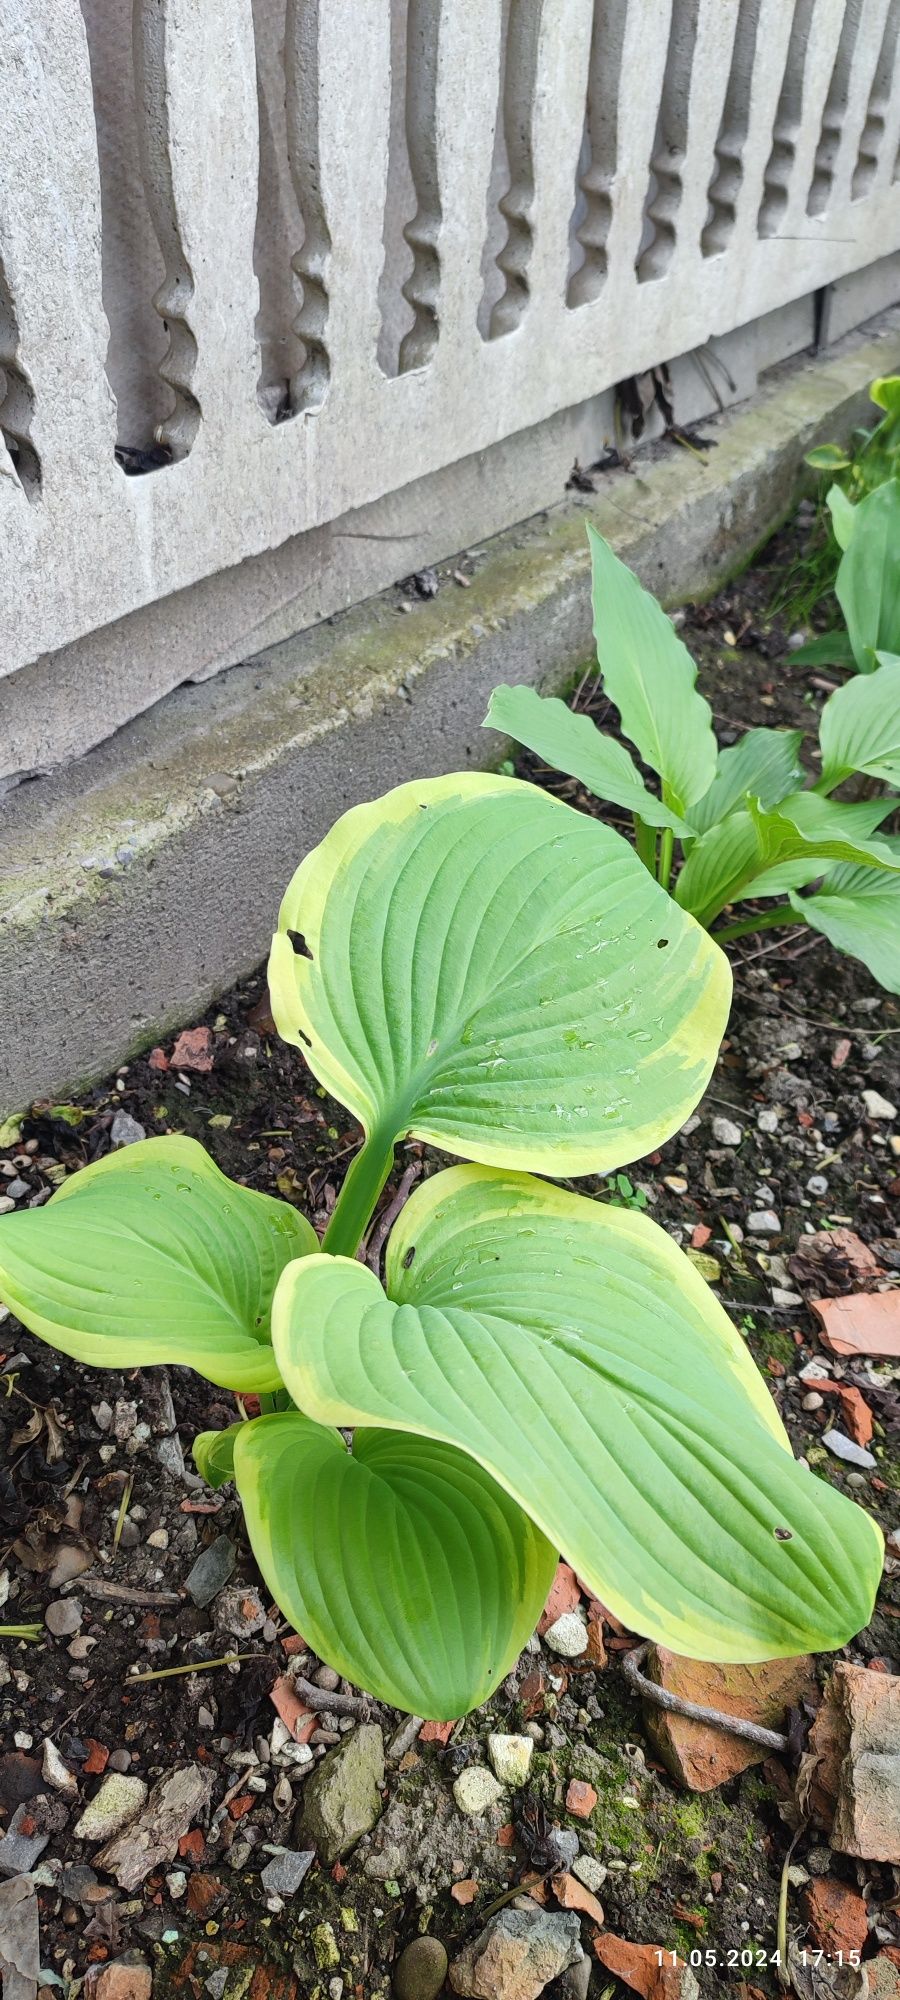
[[745, 825], [469, 961]]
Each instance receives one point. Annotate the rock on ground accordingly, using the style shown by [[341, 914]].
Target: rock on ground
[[19, 1940], [836, 1916], [419, 1834], [511, 1758], [421, 1970], [517, 1954], [647, 1968], [118, 1801], [852, 1772], [176, 1801], [122, 1979], [476, 1790], [698, 1754], [342, 1800]]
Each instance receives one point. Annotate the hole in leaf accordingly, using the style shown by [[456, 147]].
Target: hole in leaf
[[299, 944], [409, 1256], [661, 944], [783, 1535]]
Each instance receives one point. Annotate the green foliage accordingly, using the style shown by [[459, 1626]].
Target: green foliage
[[473, 962], [866, 589], [750, 834]]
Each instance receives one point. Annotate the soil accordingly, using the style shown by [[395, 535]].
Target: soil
[[83, 1451]]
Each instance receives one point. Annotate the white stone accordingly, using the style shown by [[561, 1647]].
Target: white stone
[[764, 1222], [57, 1772], [476, 1790], [511, 1758], [878, 1106], [567, 1636], [767, 1121], [844, 1447], [589, 1871], [118, 1801], [726, 1132], [780, 1297]]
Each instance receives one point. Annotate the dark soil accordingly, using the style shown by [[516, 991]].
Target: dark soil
[[686, 1871]]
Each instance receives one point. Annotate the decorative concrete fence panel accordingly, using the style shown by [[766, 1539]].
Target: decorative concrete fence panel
[[262, 263]]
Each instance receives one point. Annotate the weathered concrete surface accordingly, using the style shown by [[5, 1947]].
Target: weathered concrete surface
[[139, 882]]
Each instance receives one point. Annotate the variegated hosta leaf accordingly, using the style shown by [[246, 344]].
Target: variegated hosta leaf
[[152, 1255], [403, 1563], [572, 1350], [487, 969]]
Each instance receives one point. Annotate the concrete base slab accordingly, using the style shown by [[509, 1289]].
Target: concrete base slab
[[145, 877]]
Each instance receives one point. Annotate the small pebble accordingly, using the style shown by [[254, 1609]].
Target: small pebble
[[421, 1970], [589, 1871], [125, 1130], [844, 1447], [56, 1771], [767, 1121], [764, 1222], [878, 1106], [817, 1184], [63, 1617], [475, 1790], [782, 1298], [511, 1758], [726, 1132], [567, 1636], [676, 1183], [813, 1401]]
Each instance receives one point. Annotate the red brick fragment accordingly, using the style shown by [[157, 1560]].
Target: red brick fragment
[[436, 1732], [194, 1051], [565, 1593], [835, 1914], [581, 1798], [96, 1759]]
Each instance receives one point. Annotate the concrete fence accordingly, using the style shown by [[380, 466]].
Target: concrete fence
[[264, 261]]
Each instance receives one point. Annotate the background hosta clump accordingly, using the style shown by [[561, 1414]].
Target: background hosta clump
[[746, 828]]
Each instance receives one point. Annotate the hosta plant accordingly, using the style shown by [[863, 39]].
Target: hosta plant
[[867, 582], [746, 826], [471, 962]]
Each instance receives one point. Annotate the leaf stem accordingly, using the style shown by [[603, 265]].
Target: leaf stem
[[355, 1204], [781, 913], [645, 842], [666, 851]]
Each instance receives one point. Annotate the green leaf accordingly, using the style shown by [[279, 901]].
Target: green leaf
[[734, 859], [858, 909], [843, 516], [860, 727], [213, 1454], [650, 676], [498, 975], [830, 649], [868, 581], [403, 1564], [885, 392], [574, 744], [152, 1255], [570, 1348], [827, 458], [765, 763]]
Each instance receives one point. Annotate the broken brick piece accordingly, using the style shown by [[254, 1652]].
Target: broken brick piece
[[698, 1754], [565, 1594], [861, 1323], [572, 1895], [851, 1774], [96, 1759], [855, 1411], [436, 1732], [464, 1892], [294, 1713], [193, 1050], [581, 1798], [648, 1968], [836, 1915]]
